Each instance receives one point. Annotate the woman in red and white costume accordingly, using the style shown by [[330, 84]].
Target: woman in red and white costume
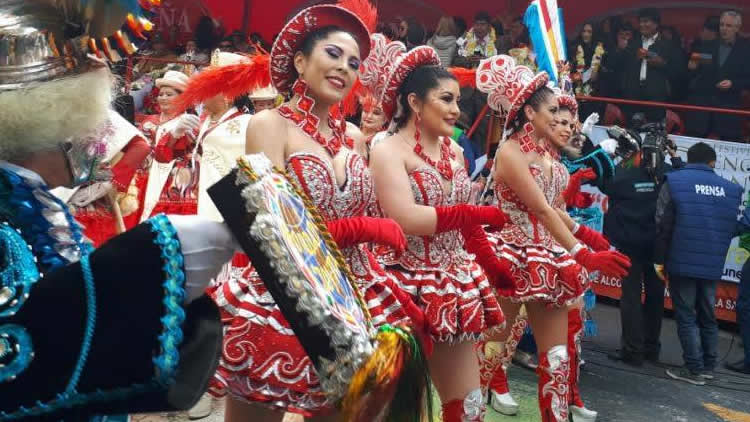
[[155, 127], [548, 264], [264, 369], [172, 186], [567, 125], [421, 183]]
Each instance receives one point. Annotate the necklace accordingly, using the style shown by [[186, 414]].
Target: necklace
[[308, 122], [443, 166]]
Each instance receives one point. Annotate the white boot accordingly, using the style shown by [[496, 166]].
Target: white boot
[[503, 403], [581, 414], [202, 409]]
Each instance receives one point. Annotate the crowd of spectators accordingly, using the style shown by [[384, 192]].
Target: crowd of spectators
[[637, 58]]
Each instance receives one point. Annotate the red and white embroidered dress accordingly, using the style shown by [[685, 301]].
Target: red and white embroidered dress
[[542, 269], [442, 278], [262, 360]]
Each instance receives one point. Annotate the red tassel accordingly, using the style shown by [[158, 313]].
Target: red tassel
[[232, 81], [364, 10], [465, 77]]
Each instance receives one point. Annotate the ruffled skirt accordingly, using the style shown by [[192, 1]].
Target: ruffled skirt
[[542, 275], [458, 302], [262, 360]]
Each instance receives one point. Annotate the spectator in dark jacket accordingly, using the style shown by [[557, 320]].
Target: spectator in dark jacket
[[720, 71], [649, 64], [696, 219], [629, 224]]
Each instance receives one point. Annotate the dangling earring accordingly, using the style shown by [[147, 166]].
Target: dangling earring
[[528, 128], [525, 140], [417, 123]]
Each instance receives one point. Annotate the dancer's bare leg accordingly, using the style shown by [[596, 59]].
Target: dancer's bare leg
[[455, 374]]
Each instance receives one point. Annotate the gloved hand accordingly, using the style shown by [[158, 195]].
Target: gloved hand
[[464, 215], [609, 263], [588, 125], [206, 246], [188, 123], [352, 231], [609, 146], [88, 194], [574, 185], [592, 238], [497, 271]]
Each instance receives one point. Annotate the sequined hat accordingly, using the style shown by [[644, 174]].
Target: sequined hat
[[508, 86], [289, 40]]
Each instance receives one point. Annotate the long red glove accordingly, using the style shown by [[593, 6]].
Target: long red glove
[[570, 193], [352, 231], [609, 263], [416, 315], [592, 238], [498, 271], [463, 215]]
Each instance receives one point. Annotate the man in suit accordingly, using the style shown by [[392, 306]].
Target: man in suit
[[720, 73], [649, 63]]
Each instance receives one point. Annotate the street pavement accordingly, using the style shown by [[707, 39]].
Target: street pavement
[[620, 393]]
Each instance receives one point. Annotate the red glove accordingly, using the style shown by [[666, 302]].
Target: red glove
[[418, 320], [355, 230], [592, 238], [464, 215], [582, 200], [498, 271], [574, 185], [610, 263]]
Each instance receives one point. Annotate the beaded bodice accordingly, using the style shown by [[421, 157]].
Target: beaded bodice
[[525, 229], [316, 176], [443, 249]]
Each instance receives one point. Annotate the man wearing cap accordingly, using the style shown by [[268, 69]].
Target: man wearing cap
[[121, 329]]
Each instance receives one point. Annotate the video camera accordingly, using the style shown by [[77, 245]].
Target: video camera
[[654, 141]]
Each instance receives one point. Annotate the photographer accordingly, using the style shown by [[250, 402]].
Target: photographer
[[696, 219], [629, 224]]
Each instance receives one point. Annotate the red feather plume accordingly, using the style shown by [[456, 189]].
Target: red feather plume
[[233, 81], [466, 77], [364, 10]]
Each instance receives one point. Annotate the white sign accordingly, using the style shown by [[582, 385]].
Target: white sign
[[732, 163]]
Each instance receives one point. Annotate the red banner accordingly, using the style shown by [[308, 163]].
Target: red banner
[[726, 296]]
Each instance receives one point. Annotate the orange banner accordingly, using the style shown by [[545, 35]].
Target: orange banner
[[726, 296]]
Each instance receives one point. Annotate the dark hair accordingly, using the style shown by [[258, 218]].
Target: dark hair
[[420, 81], [313, 38], [415, 35], [535, 101], [651, 14], [386, 29], [482, 16], [712, 23], [460, 25], [701, 153], [206, 37], [625, 27]]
